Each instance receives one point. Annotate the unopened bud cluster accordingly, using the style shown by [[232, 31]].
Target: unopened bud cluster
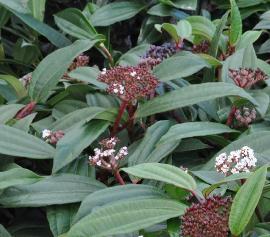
[[208, 218], [238, 161], [26, 79], [245, 116], [247, 77], [79, 61], [106, 157], [156, 54], [202, 47], [129, 83], [52, 137]]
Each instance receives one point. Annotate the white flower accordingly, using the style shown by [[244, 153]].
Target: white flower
[[133, 74], [104, 70], [46, 133]]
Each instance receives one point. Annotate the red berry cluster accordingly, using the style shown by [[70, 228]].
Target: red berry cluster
[[129, 83], [207, 219], [202, 47], [245, 116], [247, 77]]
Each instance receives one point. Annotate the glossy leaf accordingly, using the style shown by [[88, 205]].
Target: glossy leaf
[[246, 200], [164, 173], [236, 24], [190, 95], [8, 112]]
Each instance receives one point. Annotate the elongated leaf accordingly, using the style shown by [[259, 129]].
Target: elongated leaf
[[15, 142], [4, 232], [15, 84], [194, 129], [236, 24], [24, 123], [191, 95], [126, 217], [163, 172], [183, 4], [15, 4], [8, 112], [60, 218], [13, 174], [73, 22], [76, 118], [115, 12], [246, 200], [75, 141], [37, 8], [179, 66], [116, 194], [52, 68], [61, 189], [149, 142]]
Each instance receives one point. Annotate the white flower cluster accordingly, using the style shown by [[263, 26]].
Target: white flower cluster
[[238, 161], [133, 74], [118, 89], [46, 133], [106, 157], [104, 70]]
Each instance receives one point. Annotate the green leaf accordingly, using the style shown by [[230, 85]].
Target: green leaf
[[16, 5], [126, 216], [8, 112], [73, 22], [111, 195], [236, 24], [164, 173], [12, 175], [37, 8], [190, 95], [145, 152], [75, 141], [52, 68], [184, 29], [183, 4], [60, 189], [194, 129], [15, 142], [76, 118], [246, 200], [4, 232], [89, 75], [179, 66], [60, 218], [249, 57], [115, 12], [170, 29], [249, 37], [24, 123], [15, 84]]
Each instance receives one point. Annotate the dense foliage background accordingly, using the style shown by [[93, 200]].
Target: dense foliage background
[[134, 118]]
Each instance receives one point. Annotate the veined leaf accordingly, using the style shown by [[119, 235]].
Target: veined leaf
[[115, 12], [194, 129], [4, 232], [60, 189], [179, 66], [52, 68], [15, 142], [126, 216], [190, 95], [75, 141], [246, 200], [8, 112], [236, 24], [111, 195], [37, 8], [164, 173]]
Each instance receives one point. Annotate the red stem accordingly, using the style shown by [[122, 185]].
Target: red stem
[[26, 110], [231, 116], [118, 118], [118, 177]]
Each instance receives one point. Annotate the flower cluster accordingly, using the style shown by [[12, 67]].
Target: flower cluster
[[156, 54], [238, 161], [79, 61], [52, 137], [129, 83], [106, 157], [202, 47], [26, 79], [247, 77], [209, 218], [230, 51], [245, 116]]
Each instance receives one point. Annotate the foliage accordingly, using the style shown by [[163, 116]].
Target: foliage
[[134, 118]]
